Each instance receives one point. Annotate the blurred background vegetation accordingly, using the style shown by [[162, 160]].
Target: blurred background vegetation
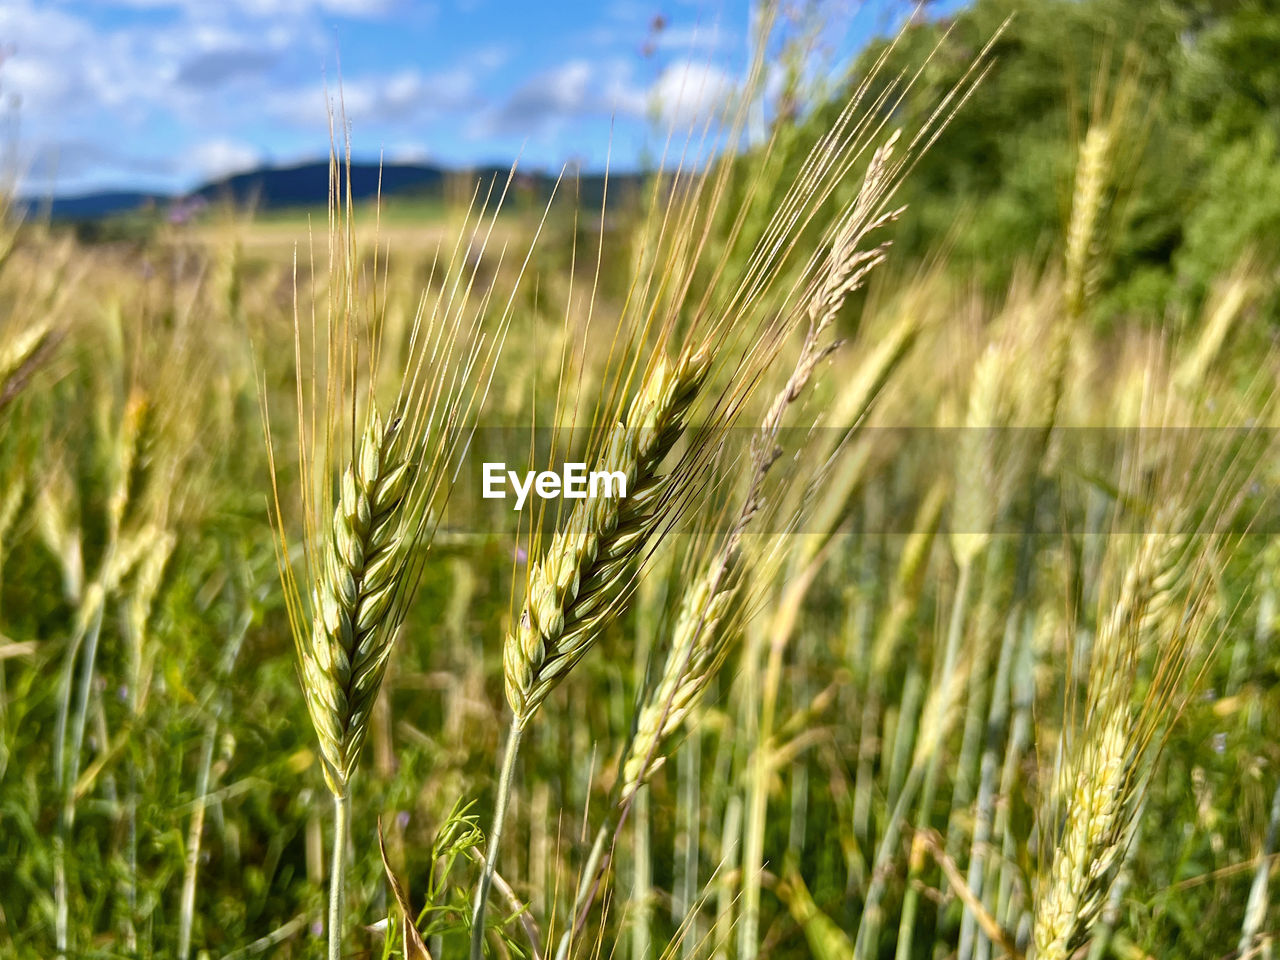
[[1195, 180]]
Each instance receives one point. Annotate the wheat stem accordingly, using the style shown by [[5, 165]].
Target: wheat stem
[[730, 842], [685, 908], [195, 834], [591, 872], [955, 630], [1255, 911], [866, 944], [642, 877], [69, 771], [505, 777], [985, 803], [338, 874]]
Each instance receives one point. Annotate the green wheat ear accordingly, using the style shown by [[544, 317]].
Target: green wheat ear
[[699, 644], [579, 585], [355, 614]]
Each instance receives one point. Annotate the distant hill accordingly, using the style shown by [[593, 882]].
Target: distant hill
[[92, 206], [307, 184], [271, 188]]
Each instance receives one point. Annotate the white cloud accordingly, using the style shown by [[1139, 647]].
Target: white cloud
[[639, 26], [92, 91], [110, 99], [265, 8], [567, 87], [345, 8], [409, 153], [65, 68], [42, 69], [695, 37], [405, 96], [690, 92], [221, 158], [358, 8], [37, 84], [489, 57], [576, 88], [685, 92]]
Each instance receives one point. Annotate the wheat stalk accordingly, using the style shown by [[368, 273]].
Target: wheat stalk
[[1100, 782], [702, 629], [583, 581], [699, 642], [1100, 812], [978, 466], [364, 545], [21, 355], [1087, 203]]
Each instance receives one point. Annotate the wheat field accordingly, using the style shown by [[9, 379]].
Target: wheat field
[[937, 620]]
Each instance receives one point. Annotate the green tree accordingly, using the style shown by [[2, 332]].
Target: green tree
[[1193, 173]]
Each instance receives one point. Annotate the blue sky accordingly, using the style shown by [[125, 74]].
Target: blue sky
[[163, 94]]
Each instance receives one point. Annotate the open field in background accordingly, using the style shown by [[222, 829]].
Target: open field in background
[[275, 239], [406, 227], [943, 621]]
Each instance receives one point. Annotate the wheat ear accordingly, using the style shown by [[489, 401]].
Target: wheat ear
[[1099, 819], [698, 646], [580, 585], [364, 543], [1087, 204], [21, 355], [344, 657], [582, 582], [1161, 596], [701, 636]]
